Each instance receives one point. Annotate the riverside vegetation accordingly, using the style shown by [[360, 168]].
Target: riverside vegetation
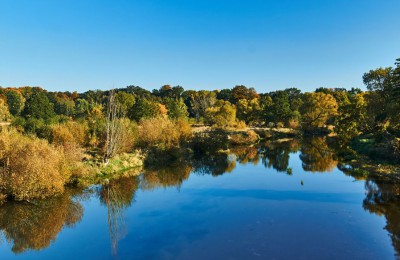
[[52, 139]]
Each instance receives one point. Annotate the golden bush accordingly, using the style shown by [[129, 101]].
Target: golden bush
[[184, 128], [163, 133], [248, 137], [128, 136], [30, 167], [70, 137]]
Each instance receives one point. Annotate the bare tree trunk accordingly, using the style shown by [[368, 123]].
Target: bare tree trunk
[[113, 127]]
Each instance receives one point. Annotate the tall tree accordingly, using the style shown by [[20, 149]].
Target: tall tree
[[317, 109], [201, 101], [113, 127], [222, 114], [15, 102], [280, 110], [38, 106], [249, 111]]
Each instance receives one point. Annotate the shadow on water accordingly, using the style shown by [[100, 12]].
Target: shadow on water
[[35, 225]]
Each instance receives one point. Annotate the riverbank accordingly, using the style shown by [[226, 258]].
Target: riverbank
[[205, 144]]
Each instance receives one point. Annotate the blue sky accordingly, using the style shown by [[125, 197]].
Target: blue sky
[[208, 44]]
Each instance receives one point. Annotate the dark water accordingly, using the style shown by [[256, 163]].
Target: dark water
[[279, 201]]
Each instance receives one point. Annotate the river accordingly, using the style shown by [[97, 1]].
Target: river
[[281, 200]]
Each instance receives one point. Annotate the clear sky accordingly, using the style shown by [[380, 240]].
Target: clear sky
[[198, 44]]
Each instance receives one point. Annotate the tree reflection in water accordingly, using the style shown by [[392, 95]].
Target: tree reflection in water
[[246, 154], [383, 199], [118, 195], [165, 177], [276, 154], [215, 164], [36, 225], [317, 156]]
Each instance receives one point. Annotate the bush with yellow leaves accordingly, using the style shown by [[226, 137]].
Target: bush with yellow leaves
[[163, 133], [30, 167]]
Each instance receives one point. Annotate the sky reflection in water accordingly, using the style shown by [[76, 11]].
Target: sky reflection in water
[[245, 205]]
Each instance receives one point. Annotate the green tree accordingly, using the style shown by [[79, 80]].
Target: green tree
[[176, 108], [82, 107], [351, 119], [144, 108], [225, 94], [64, 106], [280, 110], [15, 102], [126, 102], [38, 106]]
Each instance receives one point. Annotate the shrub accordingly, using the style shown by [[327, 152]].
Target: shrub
[[70, 137], [30, 167], [249, 137], [210, 142], [241, 125], [163, 133], [184, 129], [128, 136], [4, 113]]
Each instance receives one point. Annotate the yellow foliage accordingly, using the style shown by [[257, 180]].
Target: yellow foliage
[[35, 226], [294, 124], [30, 167], [163, 132], [70, 136], [4, 113], [241, 125], [248, 137]]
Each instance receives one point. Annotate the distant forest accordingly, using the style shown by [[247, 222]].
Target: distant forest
[[47, 136], [352, 112]]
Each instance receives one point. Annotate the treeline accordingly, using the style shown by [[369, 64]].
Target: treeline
[[65, 127], [32, 109]]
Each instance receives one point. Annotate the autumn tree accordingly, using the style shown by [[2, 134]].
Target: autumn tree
[[4, 113], [317, 109], [351, 118], [375, 80], [250, 111], [202, 100], [242, 92], [222, 114]]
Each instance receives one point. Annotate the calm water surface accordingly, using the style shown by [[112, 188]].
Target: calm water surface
[[283, 200]]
